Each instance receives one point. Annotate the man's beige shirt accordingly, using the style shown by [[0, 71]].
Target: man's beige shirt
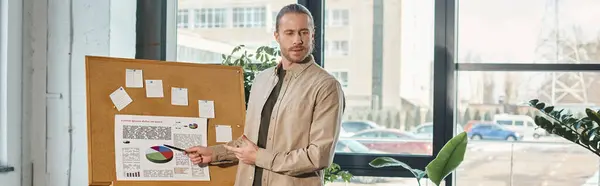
[[304, 127]]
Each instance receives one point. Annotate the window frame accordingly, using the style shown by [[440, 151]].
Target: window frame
[[443, 72], [13, 131]]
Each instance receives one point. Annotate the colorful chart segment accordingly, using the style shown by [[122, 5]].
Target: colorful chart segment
[[159, 154]]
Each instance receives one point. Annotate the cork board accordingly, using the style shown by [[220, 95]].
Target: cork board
[[104, 75]]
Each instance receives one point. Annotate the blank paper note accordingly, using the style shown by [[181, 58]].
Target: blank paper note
[[134, 78], [120, 98], [154, 89], [207, 108], [223, 133], [179, 96]]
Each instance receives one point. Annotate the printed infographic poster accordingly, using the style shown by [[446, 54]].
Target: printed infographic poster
[[141, 154]]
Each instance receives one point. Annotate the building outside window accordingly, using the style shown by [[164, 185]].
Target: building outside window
[[336, 48], [337, 17], [210, 18], [249, 17], [183, 18]]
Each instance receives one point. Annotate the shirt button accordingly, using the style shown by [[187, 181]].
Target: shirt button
[[269, 138], [250, 177]]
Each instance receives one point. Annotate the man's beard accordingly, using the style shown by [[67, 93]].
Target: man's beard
[[286, 55]]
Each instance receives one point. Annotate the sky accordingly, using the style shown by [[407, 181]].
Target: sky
[[499, 31]]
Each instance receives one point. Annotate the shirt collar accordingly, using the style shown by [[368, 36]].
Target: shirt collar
[[298, 68]]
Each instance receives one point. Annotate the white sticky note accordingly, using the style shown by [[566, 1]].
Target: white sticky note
[[207, 108], [120, 98], [154, 89], [223, 133], [179, 96], [134, 78]]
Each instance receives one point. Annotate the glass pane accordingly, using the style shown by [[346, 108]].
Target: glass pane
[[512, 151], [531, 31], [225, 25], [382, 52]]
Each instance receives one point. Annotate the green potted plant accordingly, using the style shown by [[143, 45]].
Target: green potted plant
[[252, 63], [583, 131], [448, 159], [263, 58]]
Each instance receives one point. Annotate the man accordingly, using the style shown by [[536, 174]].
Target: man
[[293, 117]]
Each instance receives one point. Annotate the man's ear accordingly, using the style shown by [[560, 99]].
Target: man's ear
[[276, 35]]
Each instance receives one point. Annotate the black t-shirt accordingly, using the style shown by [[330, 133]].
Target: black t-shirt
[[265, 120]]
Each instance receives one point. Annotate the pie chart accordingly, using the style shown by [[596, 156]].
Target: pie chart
[[159, 154]]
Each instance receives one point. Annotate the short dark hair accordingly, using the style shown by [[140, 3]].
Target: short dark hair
[[293, 8]]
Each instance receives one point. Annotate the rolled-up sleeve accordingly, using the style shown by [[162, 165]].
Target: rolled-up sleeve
[[324, 133], [221, 155]]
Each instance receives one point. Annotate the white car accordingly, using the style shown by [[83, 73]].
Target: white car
[[522, 124], [425, 130]]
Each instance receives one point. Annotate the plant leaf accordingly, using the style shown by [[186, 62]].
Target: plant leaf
[[540, 106], [549, 109], [391, 162], [448, 159], [533, 102], [593, 115]]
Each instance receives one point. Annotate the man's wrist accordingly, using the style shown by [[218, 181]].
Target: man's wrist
[[264, 158], [216, 150]]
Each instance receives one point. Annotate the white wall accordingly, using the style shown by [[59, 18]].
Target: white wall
[[61, 33]]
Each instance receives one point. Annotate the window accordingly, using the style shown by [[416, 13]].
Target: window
[[530, 124], [391, 72], [368, 135], [532, 40], [342, 77], [356, 126], [518, 123], [224, 25], [249, 17], [352, 146], [426, 129], [483, 127], [504, 122], [183, 18], [541, 49], [336, 48], [337, 17], [210, 18]]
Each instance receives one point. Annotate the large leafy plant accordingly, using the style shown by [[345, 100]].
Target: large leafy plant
[[263, 58], [583, 131], [448, 159]]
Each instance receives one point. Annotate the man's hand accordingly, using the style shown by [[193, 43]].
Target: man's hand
[[199, 154], [247, 153]]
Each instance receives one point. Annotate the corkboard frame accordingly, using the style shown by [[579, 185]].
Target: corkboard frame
[[223, 84]]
